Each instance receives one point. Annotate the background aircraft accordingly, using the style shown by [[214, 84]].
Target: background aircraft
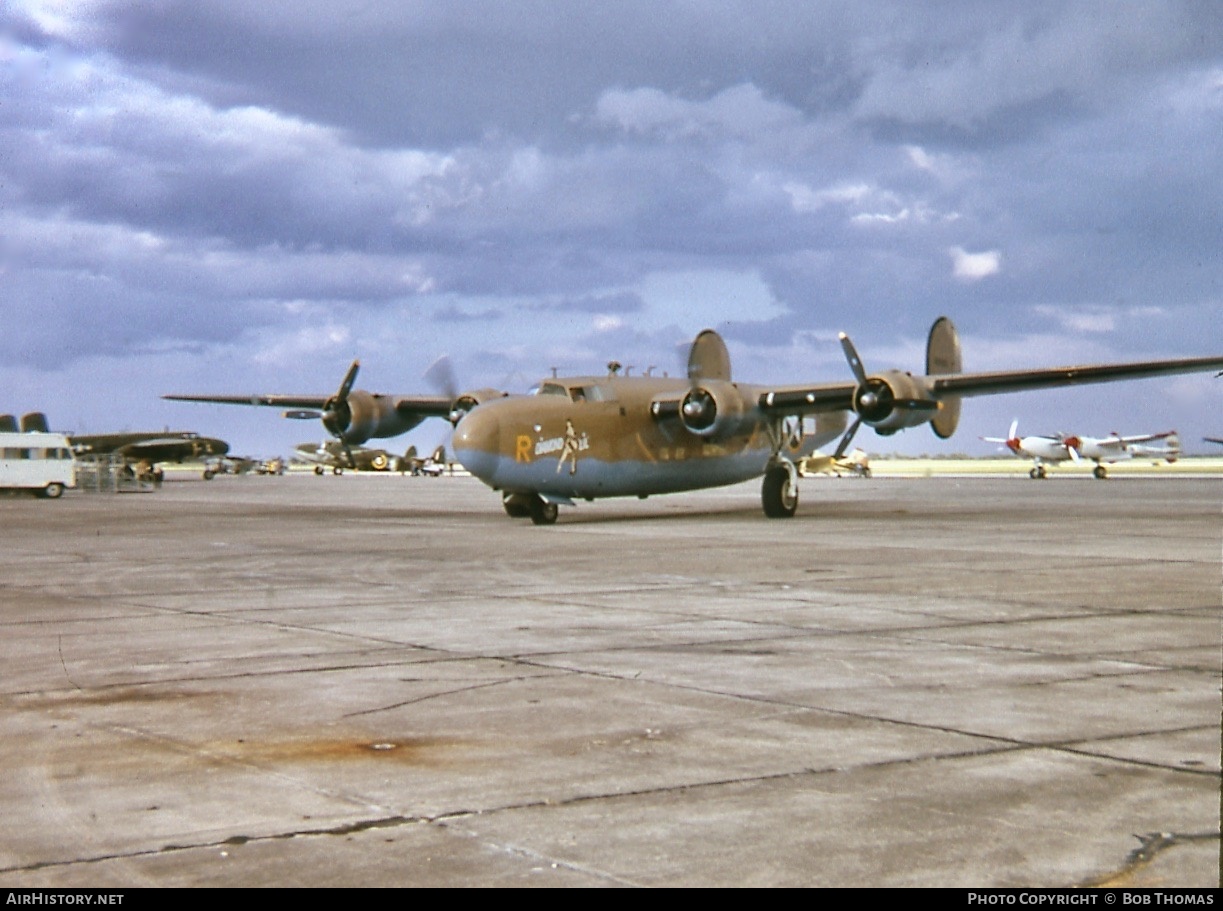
[[33, 422], [855, 463], [334, 455], [1113, 448], [434, 465], [587, 437], [143, 453], [140, 452]]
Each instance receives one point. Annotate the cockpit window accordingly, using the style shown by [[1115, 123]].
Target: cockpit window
[[590, 394], [578, 393]]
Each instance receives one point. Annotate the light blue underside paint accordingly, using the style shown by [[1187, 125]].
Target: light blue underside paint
[[594, 478]]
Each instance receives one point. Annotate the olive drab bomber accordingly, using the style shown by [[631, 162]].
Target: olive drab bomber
[[587, 437]]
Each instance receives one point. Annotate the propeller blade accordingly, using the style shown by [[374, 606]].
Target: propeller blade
[[349, 379], [1010, 434], [845, 440], [855, 362], [440, 375]]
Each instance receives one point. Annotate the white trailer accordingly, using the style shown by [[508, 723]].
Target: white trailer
[[39, 462]]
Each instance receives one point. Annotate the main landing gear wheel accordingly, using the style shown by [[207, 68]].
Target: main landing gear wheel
[[516, 505], [1100, 472], [779, 494], [543, 512], [1038, 473]]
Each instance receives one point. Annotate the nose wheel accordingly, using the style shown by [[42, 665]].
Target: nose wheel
[[524, 505], [543, 512]]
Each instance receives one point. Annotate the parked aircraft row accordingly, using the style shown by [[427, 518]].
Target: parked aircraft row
[[587, 437], [1045, 450], [141, 453], [334, 456]]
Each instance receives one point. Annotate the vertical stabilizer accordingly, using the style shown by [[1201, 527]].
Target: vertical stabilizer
[[34, 422], [943, 356], [708, 358]]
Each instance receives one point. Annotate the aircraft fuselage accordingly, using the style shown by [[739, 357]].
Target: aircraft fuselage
[[591, 437]]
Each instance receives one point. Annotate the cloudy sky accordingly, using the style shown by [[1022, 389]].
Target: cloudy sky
[[241, 196]]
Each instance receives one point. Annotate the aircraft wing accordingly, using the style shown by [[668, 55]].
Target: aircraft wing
[[810, 399], [840, 396], [406, 405], [1145, 437], [274, 401], [969, 384], [173, 449]]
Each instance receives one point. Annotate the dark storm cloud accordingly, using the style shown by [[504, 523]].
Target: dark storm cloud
[[282, 179]]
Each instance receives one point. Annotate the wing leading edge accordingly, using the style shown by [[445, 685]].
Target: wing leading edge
[[840, 396], [427, 406], [969, 384]]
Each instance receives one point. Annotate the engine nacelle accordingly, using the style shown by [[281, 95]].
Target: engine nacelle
[[469, 400], [355, 418], [893, 401], [714, 409]]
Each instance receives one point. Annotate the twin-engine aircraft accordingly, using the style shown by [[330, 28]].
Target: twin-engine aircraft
[[1046, 450], [144, 452], [140, 452], [587, 437]]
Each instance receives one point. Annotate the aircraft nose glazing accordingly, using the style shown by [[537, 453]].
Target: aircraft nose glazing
[[476, 440]]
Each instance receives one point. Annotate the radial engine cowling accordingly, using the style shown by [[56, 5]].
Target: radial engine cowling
[[714, 409], [469, 400], [894, 400], [360, 416]]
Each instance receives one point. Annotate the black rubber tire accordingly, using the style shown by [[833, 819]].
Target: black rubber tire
[[778, 496], [543, 512], [53, 491], [516, 505]]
